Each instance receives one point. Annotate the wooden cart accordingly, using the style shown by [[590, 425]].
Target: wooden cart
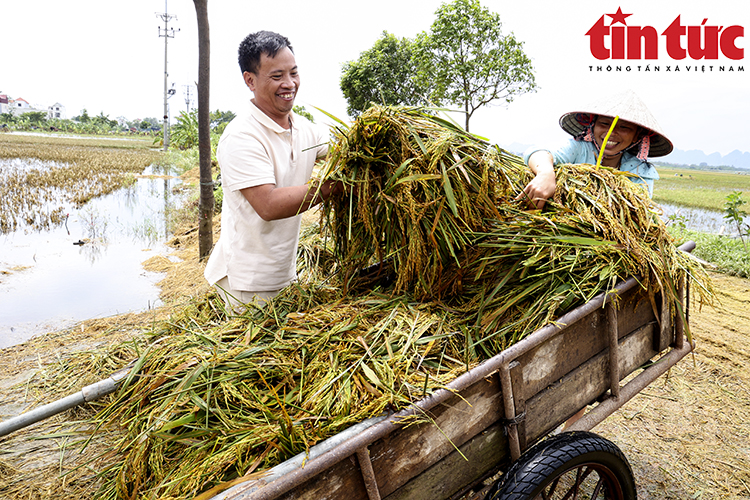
[[601, 353]]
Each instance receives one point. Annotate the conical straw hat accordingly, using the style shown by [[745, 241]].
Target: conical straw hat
[[627, 106]]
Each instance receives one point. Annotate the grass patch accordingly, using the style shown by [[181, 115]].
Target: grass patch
[[697, 188], [728, 254]]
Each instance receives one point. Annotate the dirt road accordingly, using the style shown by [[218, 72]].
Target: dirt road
[[687, 435]]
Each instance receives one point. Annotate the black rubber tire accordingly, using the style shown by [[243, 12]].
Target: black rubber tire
[[557, 461]]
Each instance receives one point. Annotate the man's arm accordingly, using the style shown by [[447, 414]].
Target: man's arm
[[273, 203]]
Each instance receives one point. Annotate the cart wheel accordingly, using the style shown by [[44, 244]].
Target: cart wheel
[[569, 465]]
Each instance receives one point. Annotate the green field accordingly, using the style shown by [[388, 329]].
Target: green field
[[699, 188], [707, 190]]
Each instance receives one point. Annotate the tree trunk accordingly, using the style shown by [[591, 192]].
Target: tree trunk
[[206, 204], [466, 111]]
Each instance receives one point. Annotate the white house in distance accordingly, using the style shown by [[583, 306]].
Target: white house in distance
[[57, 110], [20, 106]]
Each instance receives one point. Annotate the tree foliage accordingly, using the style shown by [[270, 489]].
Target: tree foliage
[[36, 117], [184, 133], [219, 120], [468, 59], [734, 213], [385, 74], [83, 117], [83, 124]]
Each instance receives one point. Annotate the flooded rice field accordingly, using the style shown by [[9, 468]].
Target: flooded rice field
[[698, 219], [86, 261]]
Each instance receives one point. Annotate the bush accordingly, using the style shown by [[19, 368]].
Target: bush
[[726, 253]]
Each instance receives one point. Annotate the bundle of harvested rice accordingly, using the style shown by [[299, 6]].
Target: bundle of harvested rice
[[218, 395], [423, 186], [438, 206]]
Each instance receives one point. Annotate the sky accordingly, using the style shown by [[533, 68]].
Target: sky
[[109, 57]]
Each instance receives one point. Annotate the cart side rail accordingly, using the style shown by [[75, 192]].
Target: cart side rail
[[503, 379]]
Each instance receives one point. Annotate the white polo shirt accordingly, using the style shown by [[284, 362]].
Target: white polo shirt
[[254, 254]]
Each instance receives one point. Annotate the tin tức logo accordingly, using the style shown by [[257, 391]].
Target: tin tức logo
[[612, 38]]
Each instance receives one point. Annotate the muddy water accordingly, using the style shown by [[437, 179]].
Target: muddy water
[[698, 219], [89, 267]]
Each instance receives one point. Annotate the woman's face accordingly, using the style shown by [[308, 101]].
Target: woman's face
[[622, 136]]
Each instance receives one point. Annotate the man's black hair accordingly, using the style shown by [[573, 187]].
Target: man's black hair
[[256, 44]]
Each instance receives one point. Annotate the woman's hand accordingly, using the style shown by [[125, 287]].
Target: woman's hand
[[542, 186]]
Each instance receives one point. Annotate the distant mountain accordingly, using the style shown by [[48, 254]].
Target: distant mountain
[[679, 157], [695, 157]]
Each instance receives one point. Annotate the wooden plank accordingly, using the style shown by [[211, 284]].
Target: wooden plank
[[552, 406], [343, 481], [635, 310], [479, 458], [409, 451], [666, 332], [580, 342]]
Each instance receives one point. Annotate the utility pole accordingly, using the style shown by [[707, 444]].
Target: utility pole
[[187, 97], [167, 34]]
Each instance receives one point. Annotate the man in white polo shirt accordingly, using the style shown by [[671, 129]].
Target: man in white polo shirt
[[266, 158]]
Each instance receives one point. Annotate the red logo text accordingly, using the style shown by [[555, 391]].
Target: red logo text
[[608, 41]]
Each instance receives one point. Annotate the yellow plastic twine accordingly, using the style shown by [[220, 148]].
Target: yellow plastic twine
[[604, 144]]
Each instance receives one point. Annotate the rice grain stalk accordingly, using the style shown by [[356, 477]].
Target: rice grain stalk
[[420, 189]]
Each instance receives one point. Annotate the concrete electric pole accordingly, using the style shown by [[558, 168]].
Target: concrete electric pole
[[167, 34], [188, 99]]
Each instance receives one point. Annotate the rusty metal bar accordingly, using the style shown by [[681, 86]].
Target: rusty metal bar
[[614, 350], [85, 395], [643, 379], [687, 299], [368, 474]]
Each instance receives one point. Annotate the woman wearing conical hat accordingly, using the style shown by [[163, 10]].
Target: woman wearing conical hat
[[636, 137]]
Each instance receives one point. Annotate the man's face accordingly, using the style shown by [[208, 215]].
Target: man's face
[[275, 85]]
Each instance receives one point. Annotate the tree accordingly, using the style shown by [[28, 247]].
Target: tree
[[469, 61], [104, 120], [734, 213], [36, 117], [83, 117], [219, 117], [185, 132], [150, 123], [206, 203], [220, 120], [384, 74]]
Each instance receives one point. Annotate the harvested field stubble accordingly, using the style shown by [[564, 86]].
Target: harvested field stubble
[[687, 435], [67, 172]]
